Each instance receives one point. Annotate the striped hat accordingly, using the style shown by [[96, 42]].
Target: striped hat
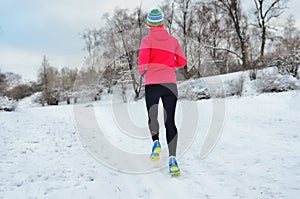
[[155, 18]]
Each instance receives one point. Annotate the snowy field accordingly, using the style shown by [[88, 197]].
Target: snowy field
[[257, 155]]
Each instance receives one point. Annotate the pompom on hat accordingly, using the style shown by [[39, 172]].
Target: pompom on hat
[[155, 18]]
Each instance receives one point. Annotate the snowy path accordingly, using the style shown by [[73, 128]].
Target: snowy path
[[257, 156]]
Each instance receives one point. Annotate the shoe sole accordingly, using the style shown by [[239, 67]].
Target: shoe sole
[[174, 171], [177, 173]]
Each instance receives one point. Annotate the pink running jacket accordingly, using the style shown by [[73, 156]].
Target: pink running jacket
[[160, 53]]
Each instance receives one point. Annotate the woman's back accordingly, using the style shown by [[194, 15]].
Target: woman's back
[[160, 54]]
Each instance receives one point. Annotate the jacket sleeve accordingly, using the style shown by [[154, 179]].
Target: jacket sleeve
[[180, 59], [144, 56]]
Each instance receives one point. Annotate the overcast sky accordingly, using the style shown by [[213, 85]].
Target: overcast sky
[[30, 29]]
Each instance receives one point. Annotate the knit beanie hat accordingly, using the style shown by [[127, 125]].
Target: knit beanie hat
[[155, 18]]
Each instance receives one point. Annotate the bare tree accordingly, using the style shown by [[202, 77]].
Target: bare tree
[[290, 40], [201, 35], [233, 9], [43, 76], [214, 35], [68, 77], [92, 46], [140, 22], [184, 21], [266, 10], [168, 8]]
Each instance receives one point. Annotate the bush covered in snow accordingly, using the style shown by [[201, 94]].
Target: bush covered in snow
[[237, 84], [267, 83], [7, 104], [50, 97], [234, 87], [193, 90], [288, 63], [205, 88], [30, 101]]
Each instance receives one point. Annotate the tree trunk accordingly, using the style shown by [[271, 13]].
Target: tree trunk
[[263, 41]]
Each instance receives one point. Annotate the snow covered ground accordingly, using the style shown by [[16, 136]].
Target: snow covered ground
[[43, 154]]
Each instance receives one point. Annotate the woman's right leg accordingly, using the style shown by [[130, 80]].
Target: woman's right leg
[[169, 103]]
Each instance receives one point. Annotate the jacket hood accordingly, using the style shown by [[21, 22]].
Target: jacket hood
[[160, 34]]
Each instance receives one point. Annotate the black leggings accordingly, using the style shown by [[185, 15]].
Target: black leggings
[[168, 94]]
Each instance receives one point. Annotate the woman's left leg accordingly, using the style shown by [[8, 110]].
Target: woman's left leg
[[169, 103]]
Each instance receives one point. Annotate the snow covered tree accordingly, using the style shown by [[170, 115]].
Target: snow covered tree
[[13, 79], [48, 77], [125, 30], [120, 39]]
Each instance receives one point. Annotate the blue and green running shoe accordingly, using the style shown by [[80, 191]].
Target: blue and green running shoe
[[156, 149], [173, 166]]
